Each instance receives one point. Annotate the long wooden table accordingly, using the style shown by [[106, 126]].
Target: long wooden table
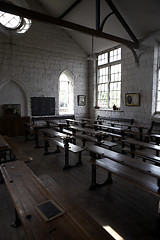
[[27, 191]]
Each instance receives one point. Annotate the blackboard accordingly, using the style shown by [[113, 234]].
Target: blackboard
[[49, 210], [43, 106]]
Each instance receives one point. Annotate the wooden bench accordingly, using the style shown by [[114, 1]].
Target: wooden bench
[[114, 121], [67, 146], [142, 174], [37, 120], [114, 132], [132, 175], [96, 140], [27, 191], [143, 154], [17, 152], [144, 167], [154, 129], [133, 143]]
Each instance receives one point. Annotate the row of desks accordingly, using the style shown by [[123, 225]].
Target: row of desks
[[99, 135]]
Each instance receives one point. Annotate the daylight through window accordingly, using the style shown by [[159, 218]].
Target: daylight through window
[[65, 93], [109, 79], [13, 22], [158, 93]]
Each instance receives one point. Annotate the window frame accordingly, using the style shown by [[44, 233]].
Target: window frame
[[70, 93], [23, 25], [109, 64], [157, 90]]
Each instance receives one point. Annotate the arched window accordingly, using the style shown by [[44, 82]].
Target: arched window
[[66, 95]]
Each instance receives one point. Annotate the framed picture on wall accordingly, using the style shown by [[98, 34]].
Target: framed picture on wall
[[132, 99], [81, 100]]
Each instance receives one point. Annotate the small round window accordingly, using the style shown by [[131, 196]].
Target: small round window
[[14, 22]]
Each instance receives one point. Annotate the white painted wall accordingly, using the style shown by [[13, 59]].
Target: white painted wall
[[140, 78], [34, 62]]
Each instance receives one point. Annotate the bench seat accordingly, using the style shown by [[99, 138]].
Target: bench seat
[[144, 167], [144, 155], [138, 178], [109, 144]]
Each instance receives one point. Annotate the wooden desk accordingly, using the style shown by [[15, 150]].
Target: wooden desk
[[84, 130], [26, 191], [52, 133], [35, 127], [157, 137], [76, 122], [141, 144]]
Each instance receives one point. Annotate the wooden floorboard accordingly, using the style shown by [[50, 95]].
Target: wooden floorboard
[[130, 211]]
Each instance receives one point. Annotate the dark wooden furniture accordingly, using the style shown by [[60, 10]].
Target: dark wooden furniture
[[36, 120], [4, 147], [17, 152], [154, 129], [68, 147], [142, 174], [133, 143], [27, 191], [13, 126], [113, 121], [156, 137], [30, 127], [97, 139], [144, 167], [112, 131]]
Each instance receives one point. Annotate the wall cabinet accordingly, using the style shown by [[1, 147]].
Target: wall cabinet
[[13, 126]]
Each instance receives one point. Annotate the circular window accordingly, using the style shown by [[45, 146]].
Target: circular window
[[13, 22]]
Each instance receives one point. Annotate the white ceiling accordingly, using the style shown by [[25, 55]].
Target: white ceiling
[[142, 16]]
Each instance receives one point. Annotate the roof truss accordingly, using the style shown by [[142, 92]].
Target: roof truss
[[30, 14]]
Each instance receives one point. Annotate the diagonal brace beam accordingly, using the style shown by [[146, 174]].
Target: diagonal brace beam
[[122, 21], [70, 8], [23, 12]]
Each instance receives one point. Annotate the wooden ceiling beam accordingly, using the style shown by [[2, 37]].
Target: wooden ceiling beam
[[121, 19], [70, 8], [33, 15]]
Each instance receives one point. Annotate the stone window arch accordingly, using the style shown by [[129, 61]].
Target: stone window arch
[[66, 93]]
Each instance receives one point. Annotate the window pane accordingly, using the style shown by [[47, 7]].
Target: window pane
[[102, 59], [65, 95], [115, 55], [109, 79]]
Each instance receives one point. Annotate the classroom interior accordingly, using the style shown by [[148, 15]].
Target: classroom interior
[[81, 79]]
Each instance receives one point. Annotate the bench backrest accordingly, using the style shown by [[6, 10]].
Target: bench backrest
[[118, 120], [35, 120], [154, 125]]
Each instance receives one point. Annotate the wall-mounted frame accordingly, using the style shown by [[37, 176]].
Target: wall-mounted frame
[[81, 100], [132, 99]]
